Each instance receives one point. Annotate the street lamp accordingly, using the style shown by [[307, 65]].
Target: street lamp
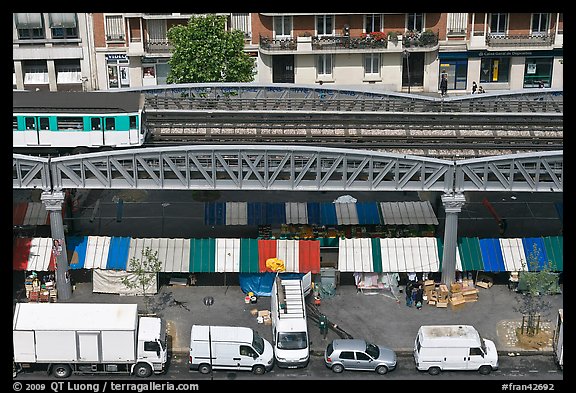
[[406, 55]]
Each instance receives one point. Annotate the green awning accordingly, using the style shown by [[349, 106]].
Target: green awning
[[470, 254], [202, 255], [249, 256], [555, 251]]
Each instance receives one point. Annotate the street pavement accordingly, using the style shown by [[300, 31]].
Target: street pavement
[[379, 318]]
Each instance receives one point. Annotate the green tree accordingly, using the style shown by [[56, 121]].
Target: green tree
[[145, 271], [203, 51], [538, 283]]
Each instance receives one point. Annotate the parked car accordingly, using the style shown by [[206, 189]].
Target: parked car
[[358, 354]]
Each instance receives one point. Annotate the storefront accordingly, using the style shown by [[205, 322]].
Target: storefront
[[456, 67], [154, 71], [117, 71], [538, 72]]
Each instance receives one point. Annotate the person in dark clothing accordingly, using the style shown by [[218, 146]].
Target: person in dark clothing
[[408, 290], [474, 87], [443, 84], [419, 297]]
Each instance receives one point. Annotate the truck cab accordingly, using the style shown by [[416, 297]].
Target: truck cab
[[152, 349]]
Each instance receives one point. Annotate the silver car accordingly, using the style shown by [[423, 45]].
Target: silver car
[[357, 354]]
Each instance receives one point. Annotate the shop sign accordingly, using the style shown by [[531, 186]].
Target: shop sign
[[116, 56]]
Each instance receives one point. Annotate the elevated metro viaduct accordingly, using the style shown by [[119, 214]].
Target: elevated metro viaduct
[[283, 168]]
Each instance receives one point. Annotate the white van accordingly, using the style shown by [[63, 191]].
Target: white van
[[229, 348], [453, 347], [289, 322]]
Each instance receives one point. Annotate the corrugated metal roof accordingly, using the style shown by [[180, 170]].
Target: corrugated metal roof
[[296, 213], [346, 213], [408, 213], [97, 252], [492, 255], [227, 255], [236, 213], [513, 255], [368, 213]]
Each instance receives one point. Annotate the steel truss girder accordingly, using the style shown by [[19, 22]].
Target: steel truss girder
[[30, 172], [252, 168], [539, 171]]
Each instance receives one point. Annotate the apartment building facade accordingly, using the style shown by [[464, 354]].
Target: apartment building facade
[[392, 51]]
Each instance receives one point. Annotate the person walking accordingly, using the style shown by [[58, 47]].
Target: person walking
[[408, 291], [443, 84], [474, 87], [419, 297]]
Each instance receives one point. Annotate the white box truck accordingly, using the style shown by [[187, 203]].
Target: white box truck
[[88, 338], [558, 342], [289, 322], [453, 347], [229, 348]]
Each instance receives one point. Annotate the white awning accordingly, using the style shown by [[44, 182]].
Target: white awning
[[513, 254], [355, 255], [408, 213], [346, 213], [296, 213], [36, 214], [174, 254], [410, 254], [97, 249], [40, 254], [236, 213], [227, 255]]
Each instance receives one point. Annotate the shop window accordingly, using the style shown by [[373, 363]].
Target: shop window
[[496, 69], [538, 72]]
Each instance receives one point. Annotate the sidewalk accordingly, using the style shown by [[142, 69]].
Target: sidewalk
[[378, 318]]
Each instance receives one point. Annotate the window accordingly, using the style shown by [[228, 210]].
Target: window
[[362, 356], [133, 122], [372, 64], [95, 123], [71, 123], [476, 352], [373, 22], [68, 71], [14, 123], [151, 346], [114, 28], [324, 25], [241, 21], [44, 123], [494, 69], [29, 26], [415, 22], [246, 351], [538, 72], [35, 72], [457, 22], [324, 65], [63, 25], [30, 123], [347, 355], [498, 23], [282, 26], [539, 23], [110, 123]]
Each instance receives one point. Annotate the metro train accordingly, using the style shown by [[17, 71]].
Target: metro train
[[80, 122]]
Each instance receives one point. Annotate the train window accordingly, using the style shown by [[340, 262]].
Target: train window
[[30, 123], [44, 123], [132, 122], [95, 123], [14, 123], [70, 123], [110, 123]]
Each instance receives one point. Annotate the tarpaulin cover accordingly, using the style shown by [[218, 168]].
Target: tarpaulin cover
[[535, 252], [76, 248], [492, 255], [261, 283], [215, 213], [368, 213], [555, 252], [110, 281]]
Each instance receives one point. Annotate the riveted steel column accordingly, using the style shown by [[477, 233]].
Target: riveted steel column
[[452, 206], [53, 202]]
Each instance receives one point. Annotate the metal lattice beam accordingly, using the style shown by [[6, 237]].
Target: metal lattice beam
[[517, 172], [30, 172], [252, 168]]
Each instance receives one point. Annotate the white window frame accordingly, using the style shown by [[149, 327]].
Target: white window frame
[[506, 20], [372, 57], [374, 28], [323, 59], [542, 30], [282, 20], [414, 27], [323, 21], [119, 33]]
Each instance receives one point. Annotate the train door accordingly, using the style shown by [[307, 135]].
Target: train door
[[31, 133], [37, 131], [46, 137], [96, 131], [134, 133]]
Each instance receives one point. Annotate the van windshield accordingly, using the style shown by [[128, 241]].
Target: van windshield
[[296, 340], [258, 343]]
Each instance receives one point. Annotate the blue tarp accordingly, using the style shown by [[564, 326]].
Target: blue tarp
[[492, 255], [328, 214], [261, 283], [256, 213], [535, 252], [313, 213], [368, 213], [76, 246], [118, 253], [215, 213]]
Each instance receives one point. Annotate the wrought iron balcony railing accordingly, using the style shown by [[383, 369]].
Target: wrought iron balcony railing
[[346, 42], [501, 40], [158, 46], [281, 44]]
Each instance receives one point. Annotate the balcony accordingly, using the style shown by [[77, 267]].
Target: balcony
[[269, 44], [347, 42], [417, 39], [519, 40], [158, 46]]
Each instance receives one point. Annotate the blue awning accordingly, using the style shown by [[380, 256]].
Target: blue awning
[[118, 253], [368, 213], [492, 255], [535, 251], [328, 214]]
